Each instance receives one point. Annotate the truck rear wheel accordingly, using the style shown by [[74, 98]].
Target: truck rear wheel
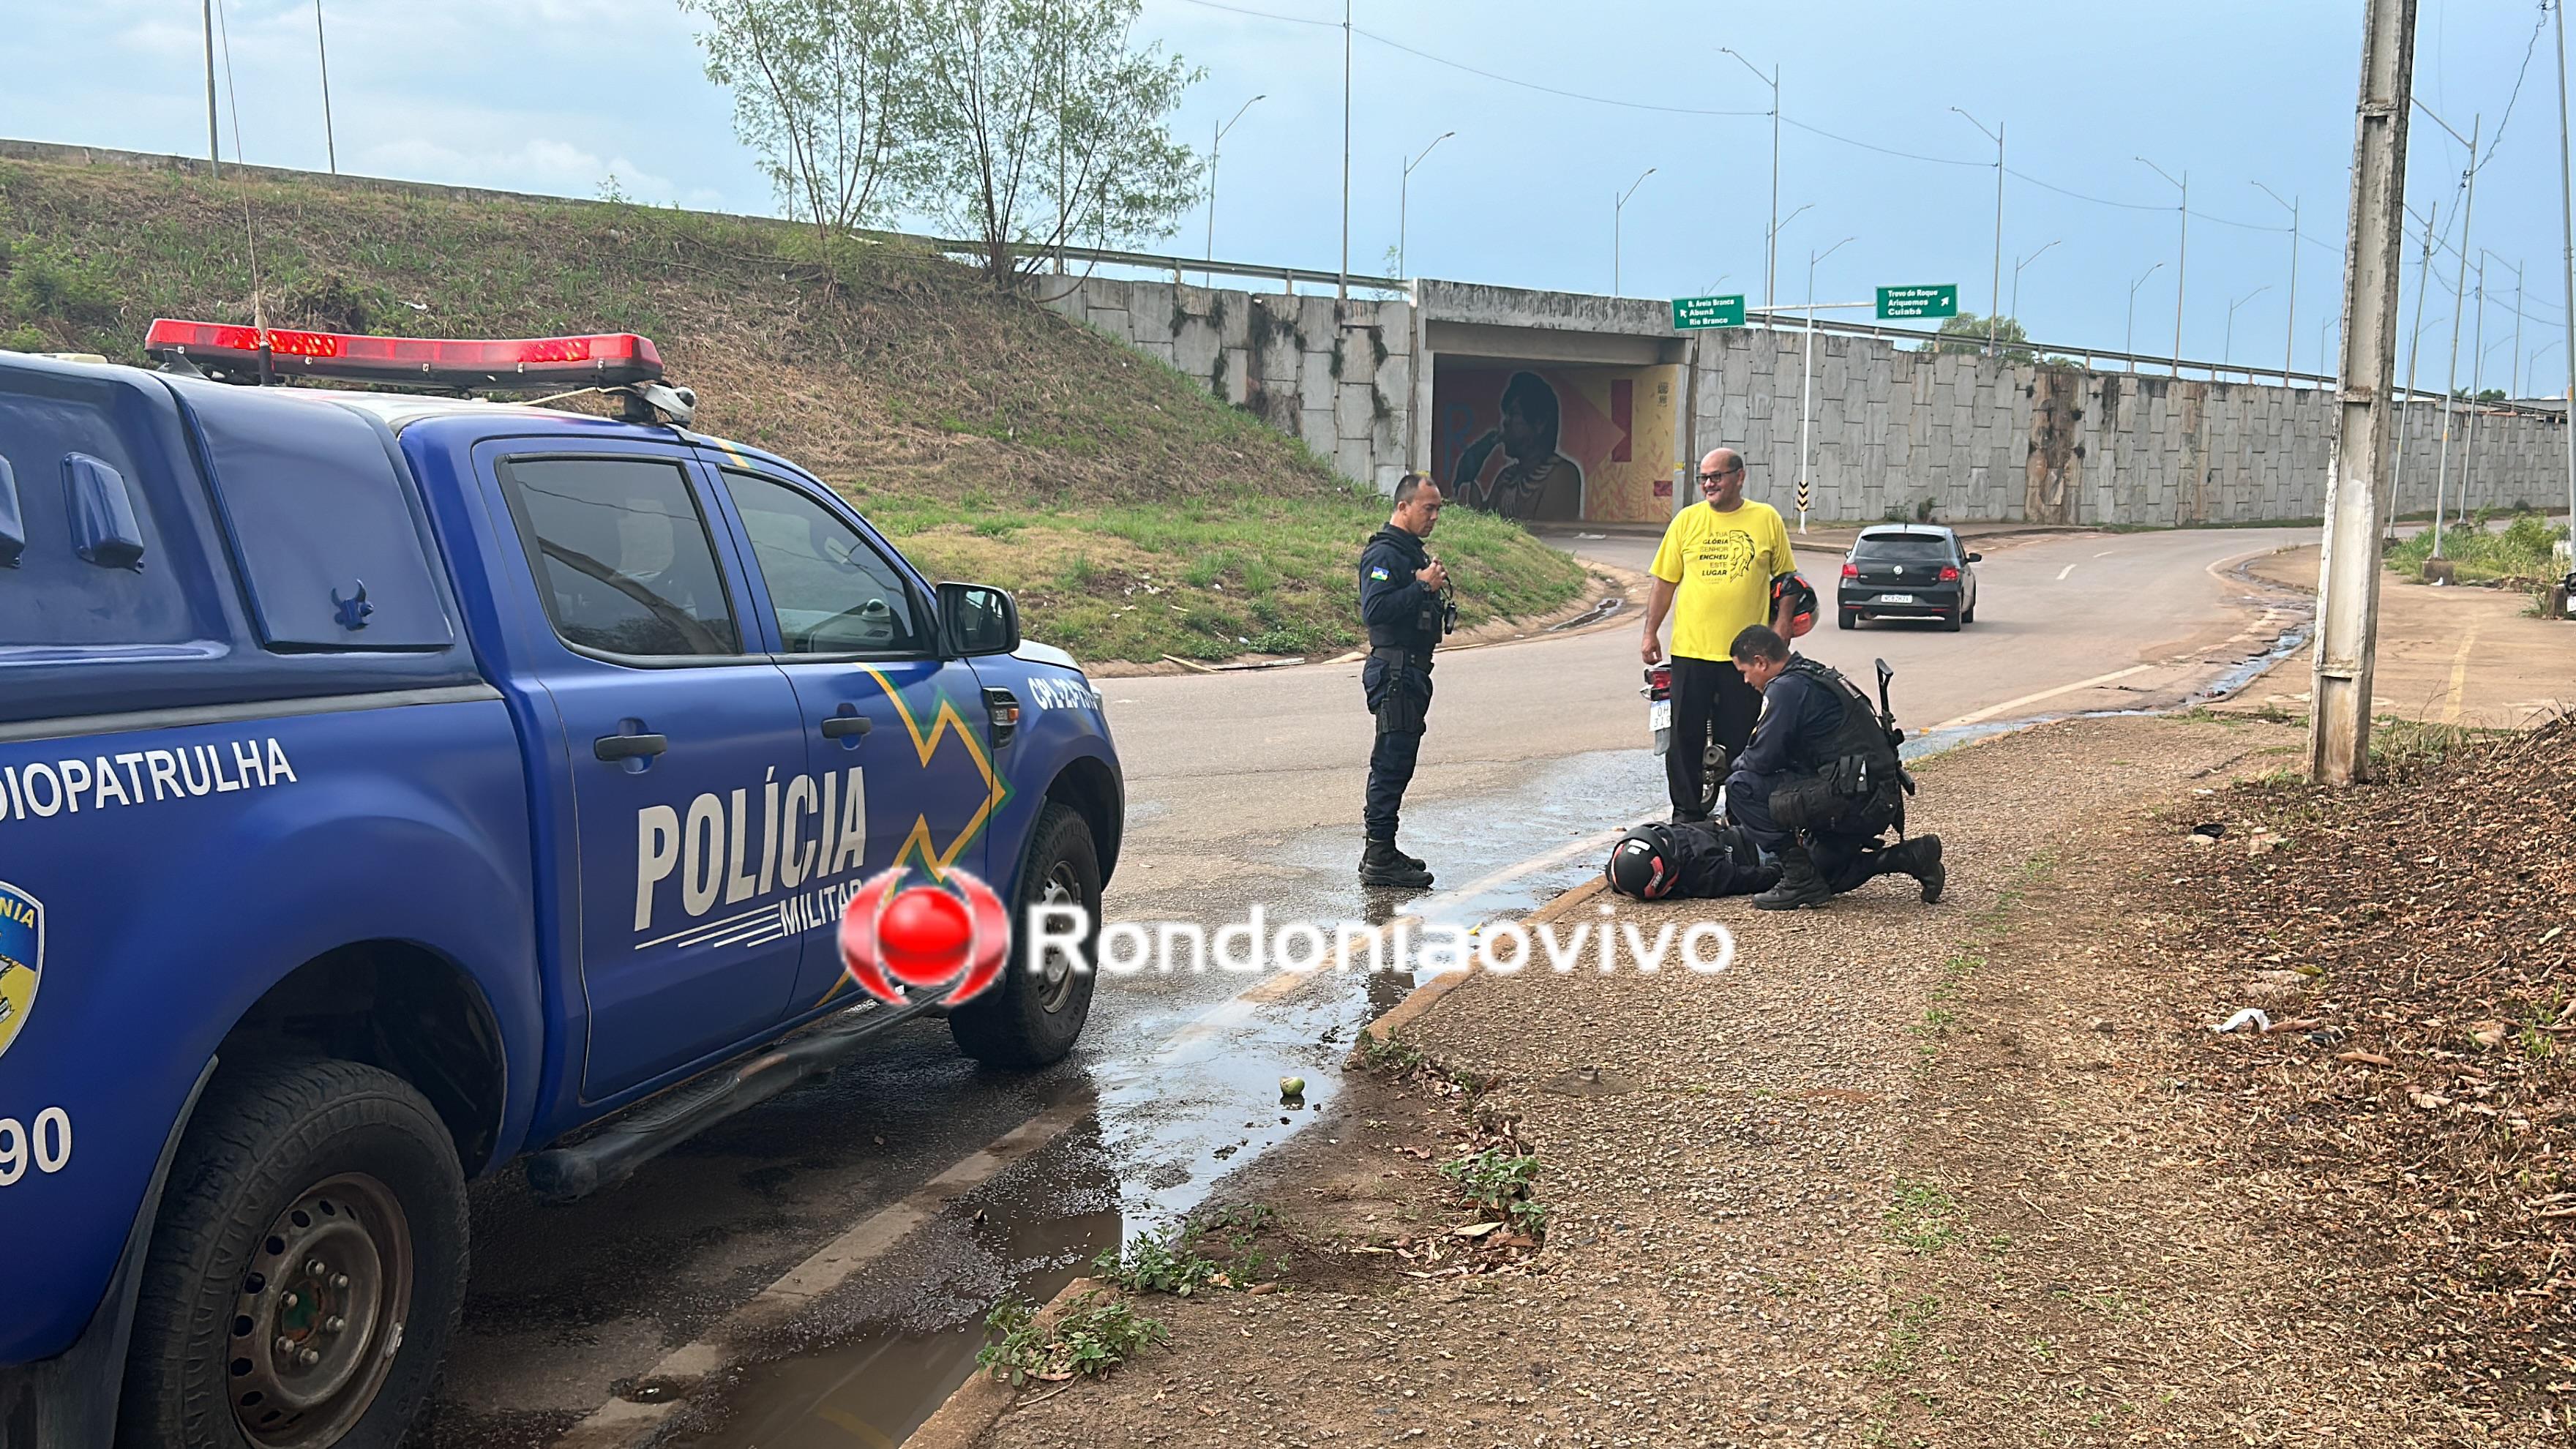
[[1030, 1017], [306, 1269]]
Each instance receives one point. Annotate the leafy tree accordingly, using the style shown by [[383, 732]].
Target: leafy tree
[[1966, 333], [1041, 124], [820, 92]]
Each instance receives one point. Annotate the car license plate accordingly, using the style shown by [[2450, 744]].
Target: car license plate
[[1659, 714], [1896, 598]]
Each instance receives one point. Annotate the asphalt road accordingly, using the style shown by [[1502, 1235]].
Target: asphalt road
[[1243, 789]]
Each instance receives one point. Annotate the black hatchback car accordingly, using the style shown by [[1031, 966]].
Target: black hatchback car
[[1908, 571]]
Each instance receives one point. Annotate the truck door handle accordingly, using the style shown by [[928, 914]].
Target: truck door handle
[[841, 725], [629, 747]]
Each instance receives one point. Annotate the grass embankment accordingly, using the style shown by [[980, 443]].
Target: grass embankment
[[1133, 514], [2517, 555]]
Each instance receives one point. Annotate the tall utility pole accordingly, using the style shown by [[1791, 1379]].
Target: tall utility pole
[[2513, 387], [214, 137], [2130, 346], [1404, 199], [1995, 296], [1342, 288], [1216, 144], [1771, 257], [2459, 299], [322, 48], [2348, 575], [2290, 329], [2414, 352], [2567, 223], [1616, 208], [2182, 250], [2477, 384], [2227, 348]]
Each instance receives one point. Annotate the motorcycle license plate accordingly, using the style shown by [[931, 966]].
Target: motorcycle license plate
[[1659, 714], [1896, 598]]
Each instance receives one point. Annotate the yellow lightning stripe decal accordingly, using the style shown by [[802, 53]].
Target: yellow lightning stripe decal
[[925, 744]]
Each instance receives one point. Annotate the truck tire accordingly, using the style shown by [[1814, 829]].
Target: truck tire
[[1029, 1018], [313, 1225]]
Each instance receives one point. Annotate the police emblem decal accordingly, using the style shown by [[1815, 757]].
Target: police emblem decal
[[22, 958], [1378, 574]]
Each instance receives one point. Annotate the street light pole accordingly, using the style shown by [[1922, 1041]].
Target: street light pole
[[1342, 288], [2567, 221], [1616, 208], [2477, 384], [322, 49], [214, 138], [2227, 349], [2130, 346], [2182, 251], [1404, 199], [1806, 376], [2459, 300], [1771, 256], [2414, 350], [1995, 297], [2018, 264], [2290, 326], [1215, 145]]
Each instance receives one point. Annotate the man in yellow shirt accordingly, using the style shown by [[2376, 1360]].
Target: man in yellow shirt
[[1713, 574]]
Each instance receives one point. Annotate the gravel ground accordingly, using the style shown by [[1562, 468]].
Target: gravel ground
[[1900, 1175]]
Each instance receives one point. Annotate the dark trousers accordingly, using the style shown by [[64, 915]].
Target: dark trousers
[[1709, 695], [1845, 853], [1390, 770]]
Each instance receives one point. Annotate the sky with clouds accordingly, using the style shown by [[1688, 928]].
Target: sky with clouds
[[1557, 106]]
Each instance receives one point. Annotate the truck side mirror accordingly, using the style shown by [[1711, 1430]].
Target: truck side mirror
[[977, 619]]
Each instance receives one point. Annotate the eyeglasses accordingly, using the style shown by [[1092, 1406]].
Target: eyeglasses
[[1721, 473]]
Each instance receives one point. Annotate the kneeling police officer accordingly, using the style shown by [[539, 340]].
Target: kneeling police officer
[[1404, 601], [1687, 860], [1820, 782]]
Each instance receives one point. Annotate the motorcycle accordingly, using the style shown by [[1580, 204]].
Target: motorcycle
[[1658, 691]]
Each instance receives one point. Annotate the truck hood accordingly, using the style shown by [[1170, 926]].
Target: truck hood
[[1037, 653]]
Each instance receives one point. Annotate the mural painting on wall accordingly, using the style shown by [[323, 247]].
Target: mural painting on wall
[[1557, 444]]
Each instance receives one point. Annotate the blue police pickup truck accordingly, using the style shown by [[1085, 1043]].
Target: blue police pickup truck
[[396, 785]]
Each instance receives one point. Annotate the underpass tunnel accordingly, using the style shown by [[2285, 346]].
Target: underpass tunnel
[[1555, 426]]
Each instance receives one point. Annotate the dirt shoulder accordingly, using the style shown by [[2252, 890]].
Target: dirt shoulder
[[1957, 1175], [2449, 655]]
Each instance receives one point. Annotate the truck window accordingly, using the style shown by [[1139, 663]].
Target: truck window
[[833, 592], [622, 555]]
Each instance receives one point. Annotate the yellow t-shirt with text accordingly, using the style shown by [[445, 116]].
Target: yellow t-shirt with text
[[1722, 565]]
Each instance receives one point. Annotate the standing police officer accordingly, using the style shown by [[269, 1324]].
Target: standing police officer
[[1820, 782], [1404, 602]]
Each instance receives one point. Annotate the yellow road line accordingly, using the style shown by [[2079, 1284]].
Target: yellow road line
[[2459, 675]]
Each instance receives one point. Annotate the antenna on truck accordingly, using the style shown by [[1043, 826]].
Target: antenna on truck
[[250, 232]]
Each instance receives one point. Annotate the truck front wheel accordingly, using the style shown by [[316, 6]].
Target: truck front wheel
[[1030, 1017], [306, 1269]]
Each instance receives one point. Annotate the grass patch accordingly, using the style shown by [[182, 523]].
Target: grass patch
[[1133, 514], [1095, 1334], [1498, 1181], [1923, 1217], [2517, 554]]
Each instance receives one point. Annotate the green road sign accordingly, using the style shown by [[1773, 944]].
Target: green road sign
[[1691, 312], [1897, 303]]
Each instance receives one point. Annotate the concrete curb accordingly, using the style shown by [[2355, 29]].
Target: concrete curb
[[981, 1401], [1422, 998]]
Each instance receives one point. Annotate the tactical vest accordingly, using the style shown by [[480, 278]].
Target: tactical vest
[[1860, 758]]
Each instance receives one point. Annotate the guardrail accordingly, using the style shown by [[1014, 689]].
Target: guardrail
[[1287, 277], [1789, 319]]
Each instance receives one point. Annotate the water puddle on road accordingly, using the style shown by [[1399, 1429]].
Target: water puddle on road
[[886, 1349]]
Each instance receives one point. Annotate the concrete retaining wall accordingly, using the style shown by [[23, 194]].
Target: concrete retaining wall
[[1988, 440], [1345, 390]]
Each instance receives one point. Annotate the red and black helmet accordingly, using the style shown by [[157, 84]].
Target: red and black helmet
[[1801, 595], [1642, 864]]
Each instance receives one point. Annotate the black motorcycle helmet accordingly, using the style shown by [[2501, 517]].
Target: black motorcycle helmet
[[1801, 598], [1642, 864]]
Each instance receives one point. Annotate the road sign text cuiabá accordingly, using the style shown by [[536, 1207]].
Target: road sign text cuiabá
[[1694, 312], [1895, 303]]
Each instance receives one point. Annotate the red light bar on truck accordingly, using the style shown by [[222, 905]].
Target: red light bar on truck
[[603, 359]]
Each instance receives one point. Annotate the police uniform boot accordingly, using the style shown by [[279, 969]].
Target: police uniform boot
[[1381, 866], [1407, 857], [1920, 858], [1799, 884]]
